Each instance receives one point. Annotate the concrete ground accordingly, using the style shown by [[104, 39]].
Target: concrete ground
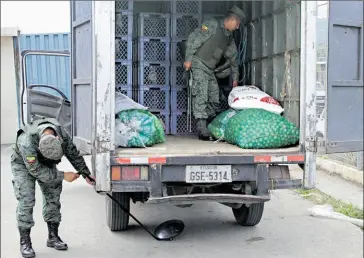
[[334, 185], [286, 229]]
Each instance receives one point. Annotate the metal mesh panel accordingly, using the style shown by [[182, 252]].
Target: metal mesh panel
[[153, 25], [153, 50], [152, 6], [128, 91], [182, 99], [153, 74], [123, 24], [123, 74], [175, 52], [123, 5], [179, 124], [218, 7], [155, 99], [123, 49], [224, 104], [179, 100], [177, 75], [184, 25], [186, 7]]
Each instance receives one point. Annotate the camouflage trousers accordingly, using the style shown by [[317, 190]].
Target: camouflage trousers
[[24, 189], [205, 94]]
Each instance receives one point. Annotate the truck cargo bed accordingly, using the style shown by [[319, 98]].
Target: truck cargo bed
[[192, 146]]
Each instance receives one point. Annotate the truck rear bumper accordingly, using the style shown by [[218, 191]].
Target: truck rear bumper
[[222, 198]]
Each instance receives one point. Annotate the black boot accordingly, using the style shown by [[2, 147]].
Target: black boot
[[26, 248], [54, 240], [203, 133]]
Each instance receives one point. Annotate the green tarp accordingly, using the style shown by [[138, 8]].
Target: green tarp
[[138, 128]]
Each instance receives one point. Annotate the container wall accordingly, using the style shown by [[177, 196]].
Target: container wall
[[273, 52], [48, 70]]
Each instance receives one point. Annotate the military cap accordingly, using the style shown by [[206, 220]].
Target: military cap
[[50, 147], [238, 12]]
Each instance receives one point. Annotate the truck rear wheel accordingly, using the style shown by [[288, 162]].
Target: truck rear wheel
[[249, 216], [116, 218]]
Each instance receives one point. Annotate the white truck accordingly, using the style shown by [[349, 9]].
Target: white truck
[[281, 50]]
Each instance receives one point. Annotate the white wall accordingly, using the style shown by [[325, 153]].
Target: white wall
[[9, 109]]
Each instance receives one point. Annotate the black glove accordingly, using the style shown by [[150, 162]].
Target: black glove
[[186, 77]]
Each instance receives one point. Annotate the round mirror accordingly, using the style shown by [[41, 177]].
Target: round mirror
[[169, 229]]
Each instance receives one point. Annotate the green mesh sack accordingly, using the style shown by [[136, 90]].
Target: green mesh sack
[[138, 128], [260, 129], [218, 125]]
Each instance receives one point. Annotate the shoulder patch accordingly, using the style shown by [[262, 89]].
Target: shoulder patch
[[204, 27], [30, 159]]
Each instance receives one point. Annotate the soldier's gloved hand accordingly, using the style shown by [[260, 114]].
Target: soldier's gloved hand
[[186, 77], [70, 176], [91, 182]]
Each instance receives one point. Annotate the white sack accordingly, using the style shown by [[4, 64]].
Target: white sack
[[123, 102], [244, 97]]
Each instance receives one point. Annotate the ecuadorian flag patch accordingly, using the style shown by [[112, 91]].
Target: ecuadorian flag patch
[[30, 159], [204, 27]]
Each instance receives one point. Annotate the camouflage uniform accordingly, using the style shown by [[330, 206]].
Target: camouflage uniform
[[205, 89], [29, 165]]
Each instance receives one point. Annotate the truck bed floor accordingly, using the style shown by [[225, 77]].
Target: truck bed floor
[[192, 146]]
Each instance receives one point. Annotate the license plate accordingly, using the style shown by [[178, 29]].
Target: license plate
[[208, 174]]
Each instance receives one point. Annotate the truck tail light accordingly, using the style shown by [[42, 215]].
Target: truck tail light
[[129, 173]]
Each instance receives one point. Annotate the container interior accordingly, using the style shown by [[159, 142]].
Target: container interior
[[149, 65]]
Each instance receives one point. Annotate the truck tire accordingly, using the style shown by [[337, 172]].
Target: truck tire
[[116, 218], [249, 216]]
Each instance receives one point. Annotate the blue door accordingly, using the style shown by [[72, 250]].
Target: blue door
[[345, 77]]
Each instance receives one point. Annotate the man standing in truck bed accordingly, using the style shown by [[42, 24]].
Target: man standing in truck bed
[[205, 48]]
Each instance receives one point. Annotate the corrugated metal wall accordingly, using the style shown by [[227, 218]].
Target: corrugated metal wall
[[51, 70]]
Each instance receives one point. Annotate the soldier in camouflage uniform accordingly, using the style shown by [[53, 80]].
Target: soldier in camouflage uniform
[[40, 145], [205, 48]]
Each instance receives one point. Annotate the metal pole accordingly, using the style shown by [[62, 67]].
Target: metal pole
[[190, 102], [308, 81]]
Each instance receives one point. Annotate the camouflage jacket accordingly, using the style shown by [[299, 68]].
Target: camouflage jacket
[[26, 154], [200, 35]]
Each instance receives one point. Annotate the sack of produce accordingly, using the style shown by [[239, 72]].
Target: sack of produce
[[244, 97], [260, 129], [138, 128], [218, 125]]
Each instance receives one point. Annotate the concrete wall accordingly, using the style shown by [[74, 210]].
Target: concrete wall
[[9, 108]]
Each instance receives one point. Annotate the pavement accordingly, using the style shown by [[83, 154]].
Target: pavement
[[286, 229], [334, 185]]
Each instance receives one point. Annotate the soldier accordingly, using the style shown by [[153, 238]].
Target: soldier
[[205, 48], [39, 146]]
